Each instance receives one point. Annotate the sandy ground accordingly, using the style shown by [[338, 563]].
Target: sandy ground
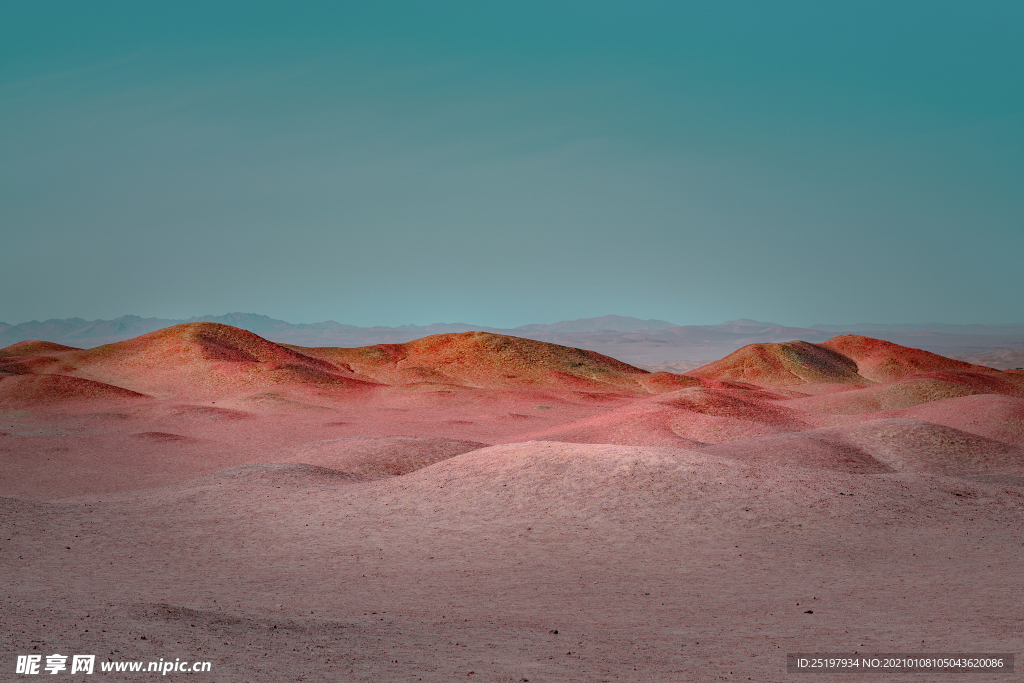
[[652, 564], [429, 535]]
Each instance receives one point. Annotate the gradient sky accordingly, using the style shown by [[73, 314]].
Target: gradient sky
[[503, 163]]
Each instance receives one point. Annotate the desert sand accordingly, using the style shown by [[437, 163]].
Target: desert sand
[[476, 506]]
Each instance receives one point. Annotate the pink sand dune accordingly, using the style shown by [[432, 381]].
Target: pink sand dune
[[380, 455], [883, 361], [882, 445], [38, 390]]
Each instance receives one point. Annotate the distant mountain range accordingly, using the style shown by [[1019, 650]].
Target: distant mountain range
[[635, 341], [89, 333]]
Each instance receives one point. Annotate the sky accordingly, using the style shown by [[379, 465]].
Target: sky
[[506, 163]]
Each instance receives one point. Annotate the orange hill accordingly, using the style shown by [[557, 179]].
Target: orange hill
[[796, 364], [34, 348], [688, 417], [203, 361], [883, 361], [495, 361], [210, 360], [31, 390], [849, 360]]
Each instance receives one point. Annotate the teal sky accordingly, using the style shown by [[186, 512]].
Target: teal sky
[[510, 163]]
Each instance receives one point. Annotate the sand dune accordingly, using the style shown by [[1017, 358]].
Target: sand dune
[[904, 393], [989, 415], [492, 361], [35, 348], [690, 416], [38, 390], [471, 380], [197, 361], [883, 361], [538, 561], [380, 455], [882, 445], [208, 360], [320, 514], [32, 357], [847, 360], [1007, 382], [734, 404], [918, 446], [275, 474], [636, 426], [230, 391], [661, 382], [819, 448], [795, 364], [696, 418]]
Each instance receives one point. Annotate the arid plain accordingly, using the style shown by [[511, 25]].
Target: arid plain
[[481, 507]]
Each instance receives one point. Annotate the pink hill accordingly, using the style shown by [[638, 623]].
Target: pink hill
[[34, 348], [462, 390], [896, 395], [375, 456], [797, 364], [683, 418], [908, 392], [483, 360], [883, 361], [883, 445], [208, 360], [989, 415], [41, 390]]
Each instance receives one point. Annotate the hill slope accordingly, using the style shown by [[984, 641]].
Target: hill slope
[[795, 364], [883, 361], [850, 360], [494, 361], [199, 361]]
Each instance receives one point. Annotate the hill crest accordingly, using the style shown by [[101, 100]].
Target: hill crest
[[850, 359]]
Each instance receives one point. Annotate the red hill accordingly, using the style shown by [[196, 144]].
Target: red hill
[[495, 361], [989, 415], [852, 360], [883, 361], [797, 364], [905, 393], [32, 357], [696, 415], [204, 360], [34, 348], [40, 390], [199, 361]]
